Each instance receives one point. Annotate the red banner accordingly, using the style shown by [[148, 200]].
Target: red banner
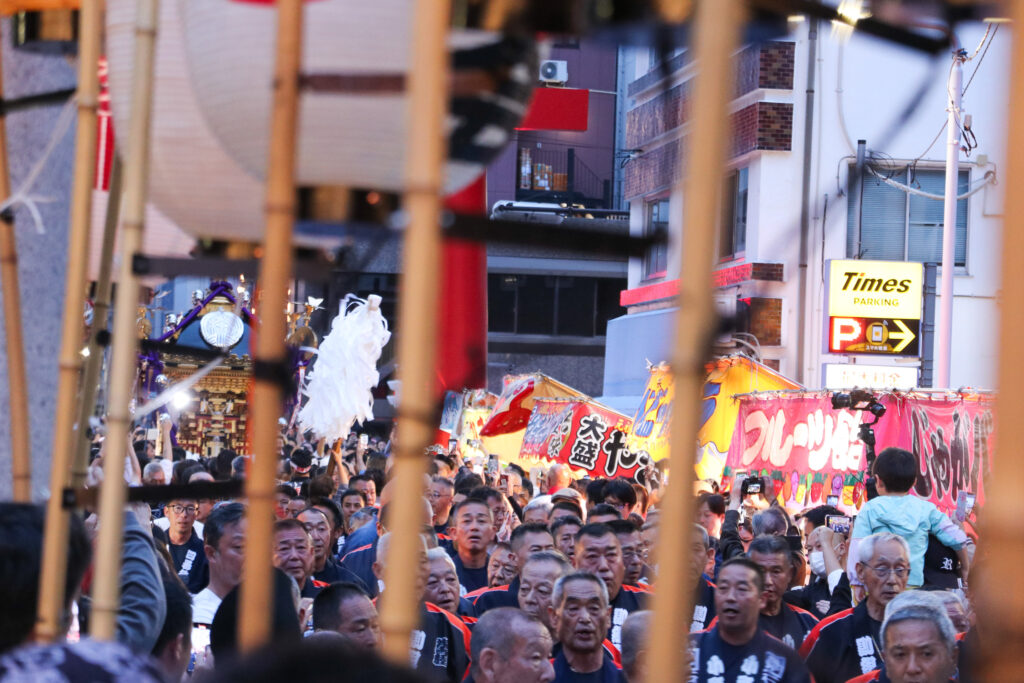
[[584, 435], [545, 421], [809, 451]]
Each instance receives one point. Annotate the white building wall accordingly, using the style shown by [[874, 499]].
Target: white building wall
[[877, 82]]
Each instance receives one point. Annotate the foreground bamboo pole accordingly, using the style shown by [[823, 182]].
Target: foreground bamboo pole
[[1001, 598], [417, 336], [106, 591], [21, 458], [275, 272], [55, 538], [716, 34], [100, 310]]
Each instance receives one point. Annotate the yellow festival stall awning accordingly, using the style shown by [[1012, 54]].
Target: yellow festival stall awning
[[726, 378]]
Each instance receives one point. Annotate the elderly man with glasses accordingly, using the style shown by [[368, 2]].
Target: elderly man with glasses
[[185, 545], [919, 642], [848, 644]]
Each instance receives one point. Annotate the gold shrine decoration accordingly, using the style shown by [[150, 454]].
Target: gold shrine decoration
[[9, 7]]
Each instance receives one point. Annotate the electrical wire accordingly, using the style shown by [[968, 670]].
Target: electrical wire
[[988, 30], [990, 178], [982, 58], [839, 99], [991, 38]]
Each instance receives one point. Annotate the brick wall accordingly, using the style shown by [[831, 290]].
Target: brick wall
[[658, 115], [762, 126], [746, 66], [756, 66], [767, 271], [653, 171], [766, 320], [775, 126], [776, 65]]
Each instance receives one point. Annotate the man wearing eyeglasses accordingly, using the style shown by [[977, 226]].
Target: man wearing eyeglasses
[[185, 545], [442, 492], [847, 644]]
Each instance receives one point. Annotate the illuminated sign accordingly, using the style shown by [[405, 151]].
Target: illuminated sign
[[848, 376], [875, 289], [875, 307], [892, 337]]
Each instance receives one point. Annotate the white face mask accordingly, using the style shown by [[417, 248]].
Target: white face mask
[[817, 562]]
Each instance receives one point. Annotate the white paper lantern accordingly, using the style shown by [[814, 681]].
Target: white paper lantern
[[193, 181], [212, 101], [356, 139], [162, 238]]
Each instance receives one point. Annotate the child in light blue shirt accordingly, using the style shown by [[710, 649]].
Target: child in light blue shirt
[[897, 511]]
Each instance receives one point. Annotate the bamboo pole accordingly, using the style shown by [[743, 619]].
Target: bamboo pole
[[275, 272], [106, 592], [716, 34], [55, 538], [100, 311], [1001, 598], [21, 459], [417, 336], [674, 11]]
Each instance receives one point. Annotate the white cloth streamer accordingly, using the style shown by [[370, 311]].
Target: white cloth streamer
[[339, 387]]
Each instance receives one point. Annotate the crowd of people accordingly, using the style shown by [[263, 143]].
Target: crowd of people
[[523, 576]]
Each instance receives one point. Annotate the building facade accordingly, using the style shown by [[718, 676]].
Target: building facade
[[793, 138], [547, 309]]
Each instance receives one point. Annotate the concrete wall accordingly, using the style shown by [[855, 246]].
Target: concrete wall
[[42, 256]]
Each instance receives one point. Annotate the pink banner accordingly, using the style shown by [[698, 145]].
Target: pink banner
[[810, 451]]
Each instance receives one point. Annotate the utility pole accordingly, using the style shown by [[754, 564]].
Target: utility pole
[[944, 331]]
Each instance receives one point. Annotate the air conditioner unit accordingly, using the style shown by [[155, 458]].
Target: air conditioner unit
[[554, 71]]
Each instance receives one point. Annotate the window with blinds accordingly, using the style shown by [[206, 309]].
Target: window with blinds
[[897, 226], [732, 238], [656, 258]]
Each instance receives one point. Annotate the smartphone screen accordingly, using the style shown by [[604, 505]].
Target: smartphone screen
[[200, 641], [964, 505], [838, 523], [832, 500]]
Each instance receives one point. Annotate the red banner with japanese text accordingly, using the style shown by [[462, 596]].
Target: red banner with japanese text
[[545, 420], [808, 451], [584, 435]]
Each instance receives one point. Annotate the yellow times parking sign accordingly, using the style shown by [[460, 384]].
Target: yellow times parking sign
[[875, 289]]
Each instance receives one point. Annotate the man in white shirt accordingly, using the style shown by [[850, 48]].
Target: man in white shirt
[[224, 546]]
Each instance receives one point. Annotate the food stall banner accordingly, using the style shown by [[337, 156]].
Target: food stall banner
[[502, 433], [810, 451], [651, 419], [585, 435], [726, 377], [512, 410]]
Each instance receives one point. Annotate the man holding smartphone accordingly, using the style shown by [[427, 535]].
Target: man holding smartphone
[[740, 496]]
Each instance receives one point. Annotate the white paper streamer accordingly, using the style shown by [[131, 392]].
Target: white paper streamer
[[339, 387]]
